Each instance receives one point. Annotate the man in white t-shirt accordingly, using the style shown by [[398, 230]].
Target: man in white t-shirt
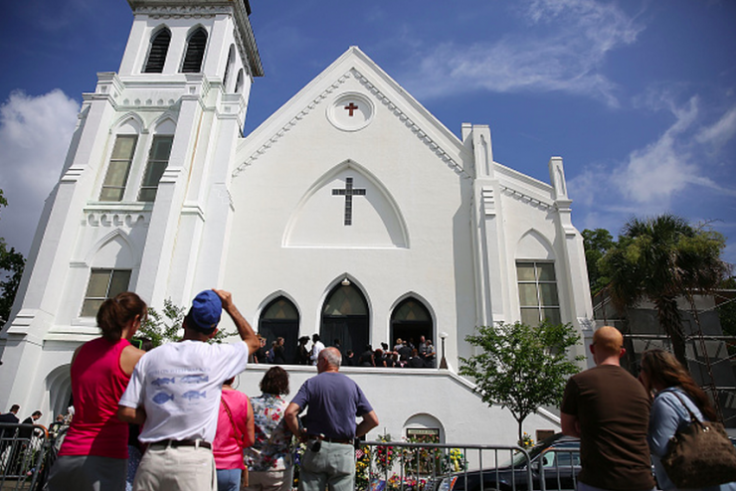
[[317, 346], [174, 393]]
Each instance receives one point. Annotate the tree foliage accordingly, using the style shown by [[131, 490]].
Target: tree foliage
[[596, 243], [12, 264], [660, 259], [522, 367], [166, 326]]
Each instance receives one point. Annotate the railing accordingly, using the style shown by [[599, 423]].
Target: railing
[[24, 451], [401, 466]]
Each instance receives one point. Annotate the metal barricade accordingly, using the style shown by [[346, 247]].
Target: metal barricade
[[401, 466], [558, 469], [23, 451]]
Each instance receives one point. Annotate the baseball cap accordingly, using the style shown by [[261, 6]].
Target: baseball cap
[[205, 312]]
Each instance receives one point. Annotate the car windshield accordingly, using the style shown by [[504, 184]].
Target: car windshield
[[520, 459]]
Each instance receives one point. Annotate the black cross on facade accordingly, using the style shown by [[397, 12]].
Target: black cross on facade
[[348, 192]]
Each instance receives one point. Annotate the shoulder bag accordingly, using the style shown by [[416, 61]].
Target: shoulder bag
[[700, 454], [241, 441]]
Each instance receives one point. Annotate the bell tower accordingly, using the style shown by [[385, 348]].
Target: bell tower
[[144, 194]]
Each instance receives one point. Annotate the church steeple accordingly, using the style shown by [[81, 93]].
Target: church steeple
[[214, 38]]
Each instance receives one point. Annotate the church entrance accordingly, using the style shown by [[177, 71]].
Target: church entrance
[[409, 321], [345, 318], [281, 319]]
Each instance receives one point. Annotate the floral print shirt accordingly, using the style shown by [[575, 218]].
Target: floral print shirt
[[271, 450]]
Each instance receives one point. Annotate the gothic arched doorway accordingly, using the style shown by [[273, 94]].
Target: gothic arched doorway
[[280, 318], [345, 317], [410, 320]]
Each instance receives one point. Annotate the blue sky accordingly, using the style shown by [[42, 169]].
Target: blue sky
[[638, 97]]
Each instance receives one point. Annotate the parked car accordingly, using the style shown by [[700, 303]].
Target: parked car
[[557, 458]]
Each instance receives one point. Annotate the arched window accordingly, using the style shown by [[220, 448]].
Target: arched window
[[228, 67], [345, 317], [157, 52], [195, 52], [239, 82], [280, 318], [411, 320]]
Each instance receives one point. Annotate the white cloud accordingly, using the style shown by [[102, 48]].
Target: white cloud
[[721, 131], [34, 137], [562, 51], [654, 175]]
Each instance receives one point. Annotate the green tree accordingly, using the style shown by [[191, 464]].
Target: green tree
[[522, 367], [164, 327], [660, 259], [12, 264], [596, 243]]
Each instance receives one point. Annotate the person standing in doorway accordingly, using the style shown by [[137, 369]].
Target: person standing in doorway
[[317, 346]]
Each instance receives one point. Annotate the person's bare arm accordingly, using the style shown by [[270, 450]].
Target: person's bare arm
[[244, 329], [250, 427], [570, 425], [129, 357], [370, 421], [132, 415], [291, 416]]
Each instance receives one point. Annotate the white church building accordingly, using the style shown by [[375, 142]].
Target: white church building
[[351, 212]]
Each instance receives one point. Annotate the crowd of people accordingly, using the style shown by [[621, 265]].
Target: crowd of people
[[170, 419], [404, 354], [626, 425]]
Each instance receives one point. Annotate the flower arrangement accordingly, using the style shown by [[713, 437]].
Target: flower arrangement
[[395, 483], [384, 456], [362, 467], [456, 461], [526, 441]]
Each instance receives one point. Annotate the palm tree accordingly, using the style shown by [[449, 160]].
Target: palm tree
[[660, 259]]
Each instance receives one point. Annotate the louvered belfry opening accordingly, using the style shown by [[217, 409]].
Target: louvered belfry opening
[[157, 55], [195, 52]]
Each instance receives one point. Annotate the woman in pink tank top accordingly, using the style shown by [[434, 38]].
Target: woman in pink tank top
[[94, 453], [235, 432]]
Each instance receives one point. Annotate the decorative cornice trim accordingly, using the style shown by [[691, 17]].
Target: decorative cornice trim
[[428, 141], [353, 72], [519, 196], [116, 218]]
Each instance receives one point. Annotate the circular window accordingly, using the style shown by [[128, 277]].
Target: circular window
[[350, 112]]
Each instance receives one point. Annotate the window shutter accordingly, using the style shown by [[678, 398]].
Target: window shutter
[[157, 55], [195, 52]]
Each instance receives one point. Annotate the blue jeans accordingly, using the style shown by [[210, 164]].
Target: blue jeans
[[228, 479]]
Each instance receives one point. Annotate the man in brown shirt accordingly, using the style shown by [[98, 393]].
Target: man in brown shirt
[[608, 409]]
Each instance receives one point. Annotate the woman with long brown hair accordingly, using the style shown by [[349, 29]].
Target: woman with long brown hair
[[95, 452], [675, 392]]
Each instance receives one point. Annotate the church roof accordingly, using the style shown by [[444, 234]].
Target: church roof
[[353, 63]]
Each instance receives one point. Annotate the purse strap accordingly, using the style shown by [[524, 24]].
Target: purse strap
[[239, 436], [693, 418]]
